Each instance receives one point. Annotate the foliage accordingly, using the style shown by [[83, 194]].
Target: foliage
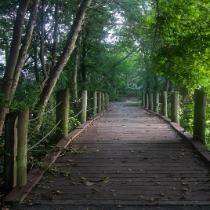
[[125, 47]]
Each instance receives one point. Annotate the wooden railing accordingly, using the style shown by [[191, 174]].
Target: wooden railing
[[17, 127], [158, 102]]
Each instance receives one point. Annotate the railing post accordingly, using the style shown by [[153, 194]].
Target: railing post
[[143, 99], [95, 104], [62, 112], [151, 105], [107, 100], [156, 102], [103, 102], [175, 107], [147, 101], [199, 126], [10, 148], [99, 102], [84, 107], [165, 104], [22, 147]]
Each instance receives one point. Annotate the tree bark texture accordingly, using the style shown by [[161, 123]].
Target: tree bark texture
[[59, 66], [12, 60]]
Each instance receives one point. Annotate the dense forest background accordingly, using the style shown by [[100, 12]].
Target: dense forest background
[[118, 47]]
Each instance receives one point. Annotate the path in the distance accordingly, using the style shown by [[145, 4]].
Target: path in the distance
[[127, 159]]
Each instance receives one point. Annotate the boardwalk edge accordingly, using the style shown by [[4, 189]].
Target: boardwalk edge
[[18, 194], [204, 152]]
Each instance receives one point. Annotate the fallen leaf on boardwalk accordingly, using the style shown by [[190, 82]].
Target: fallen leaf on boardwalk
[[58, 192], [141, 197], [61, 155], [184, 183], [94, 190], [83, 179], [74, 183], [162, 194], [70, 160], [89, 184], [105, 179], [74, 151], [119, 206], [86, 182], [185, 189], [151, 199], [173, 158]]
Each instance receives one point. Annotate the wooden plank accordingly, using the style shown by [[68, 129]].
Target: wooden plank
[[141, 158], [17, 195]]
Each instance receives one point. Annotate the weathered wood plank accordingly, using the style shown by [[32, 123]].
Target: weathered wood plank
[[128, 157]]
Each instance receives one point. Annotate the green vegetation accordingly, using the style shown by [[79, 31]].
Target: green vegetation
[[123, 48]]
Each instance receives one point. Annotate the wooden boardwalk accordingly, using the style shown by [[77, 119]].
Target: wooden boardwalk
[[127, 159]]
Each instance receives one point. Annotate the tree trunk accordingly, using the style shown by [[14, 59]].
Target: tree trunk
[[35, 58], [42, 45], [75, 84], [59, 66], [10, 155], [83, 68], [55, 35], [84, 106], [12, 59], [62, 112], [22, 147], [24, 48], [199, 125]]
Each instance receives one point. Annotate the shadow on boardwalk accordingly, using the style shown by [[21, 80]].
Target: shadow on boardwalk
[[128, 159]]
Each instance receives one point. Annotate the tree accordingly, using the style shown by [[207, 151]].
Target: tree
[[55, 72], [17, 55]]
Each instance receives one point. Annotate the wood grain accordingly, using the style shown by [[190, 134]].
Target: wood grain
[[129, 157]]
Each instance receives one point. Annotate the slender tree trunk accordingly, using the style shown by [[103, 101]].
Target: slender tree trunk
[[83, 69], [35, 58], [55, 35], [42, 45], [24, 48], [59, 66], [12, 59], [6, 50], [75, 75]]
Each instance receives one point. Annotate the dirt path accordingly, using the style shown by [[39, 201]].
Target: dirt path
[[127, 159]]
